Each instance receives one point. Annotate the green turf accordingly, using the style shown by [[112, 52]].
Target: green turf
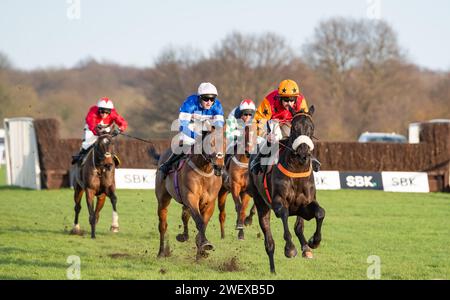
[[2, 175], [409, 232]]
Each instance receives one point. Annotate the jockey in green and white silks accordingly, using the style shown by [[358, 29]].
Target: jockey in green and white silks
[[241, 116]]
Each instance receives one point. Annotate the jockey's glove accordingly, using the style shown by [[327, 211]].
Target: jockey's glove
[[116, 132]]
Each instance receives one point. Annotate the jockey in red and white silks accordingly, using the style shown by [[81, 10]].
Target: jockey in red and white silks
[[103, 113]]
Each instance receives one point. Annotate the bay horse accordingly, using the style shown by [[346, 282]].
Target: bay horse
[[289, 190], [95, 177], [194, 184], [235, 181]]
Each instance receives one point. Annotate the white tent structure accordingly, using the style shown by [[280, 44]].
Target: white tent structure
[[2, 147], [22, 157]]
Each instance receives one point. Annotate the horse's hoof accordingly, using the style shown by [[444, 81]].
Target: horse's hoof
[[164, 252], [313, 244], [75, 231], [182, 238], [202, 255], [114, 229], [290, 252], [207, 246], [308, 254], [241, 235]]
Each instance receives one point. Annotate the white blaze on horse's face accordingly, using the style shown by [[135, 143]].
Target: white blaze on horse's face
[[105, 141], [219, 155], [303, 139]]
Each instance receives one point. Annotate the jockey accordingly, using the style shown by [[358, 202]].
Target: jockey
[[103, 113], [238, 118], [202, 106], [275, 106]]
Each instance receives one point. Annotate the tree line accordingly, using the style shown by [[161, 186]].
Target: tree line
[[353, 71]]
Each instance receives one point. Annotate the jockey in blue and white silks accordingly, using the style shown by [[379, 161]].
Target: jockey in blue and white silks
[[194, 111]]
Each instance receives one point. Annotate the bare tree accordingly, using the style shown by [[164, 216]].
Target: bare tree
[[5, 62]]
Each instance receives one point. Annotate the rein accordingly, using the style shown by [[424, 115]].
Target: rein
[[136, 138], [197, 170], [240, 164]]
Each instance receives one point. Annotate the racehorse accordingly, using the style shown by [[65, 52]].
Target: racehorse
[[194, 183], [235, 180], [95, 177], [289, 190]]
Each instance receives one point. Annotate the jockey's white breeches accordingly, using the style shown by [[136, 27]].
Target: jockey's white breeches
[[89, 138]]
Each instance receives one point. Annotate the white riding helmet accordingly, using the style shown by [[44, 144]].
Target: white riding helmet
[[105, 103], [207, 88], [247, 104]]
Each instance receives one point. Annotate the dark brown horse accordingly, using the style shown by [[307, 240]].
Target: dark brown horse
[[290, 190], [235, 181], [95, 177], [194, 183]]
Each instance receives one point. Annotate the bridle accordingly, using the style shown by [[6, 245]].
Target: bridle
[[101, 156]]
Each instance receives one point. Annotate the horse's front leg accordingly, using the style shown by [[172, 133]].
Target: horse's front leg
[[319, 215], [163, 203], [90, 195], [249, 219], [185, 216], [289, 249], [222, 213], [100, 202], [78, 194], [264, 223], [235, 193], [245, 199], [201, 218], [299, 227], [115, 216]]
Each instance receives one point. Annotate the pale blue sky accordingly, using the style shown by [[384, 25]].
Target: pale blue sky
[[39, 34]]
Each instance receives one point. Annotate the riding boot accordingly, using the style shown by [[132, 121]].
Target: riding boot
[[315, 164], [79, 157], [165, 167], [255, 165]]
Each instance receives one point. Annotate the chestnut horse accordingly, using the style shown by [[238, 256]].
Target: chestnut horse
[[235, 180], [289, 189], [194, 183], [95, 177]]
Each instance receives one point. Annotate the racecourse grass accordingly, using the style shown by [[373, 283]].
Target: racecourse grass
[[409, 232]]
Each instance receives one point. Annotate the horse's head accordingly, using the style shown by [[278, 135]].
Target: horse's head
[[302, 131], [104, 148], [213, 149]]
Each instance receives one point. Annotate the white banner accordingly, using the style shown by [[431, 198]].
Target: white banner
[[406, 182], [327, 180], [139, 179]]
